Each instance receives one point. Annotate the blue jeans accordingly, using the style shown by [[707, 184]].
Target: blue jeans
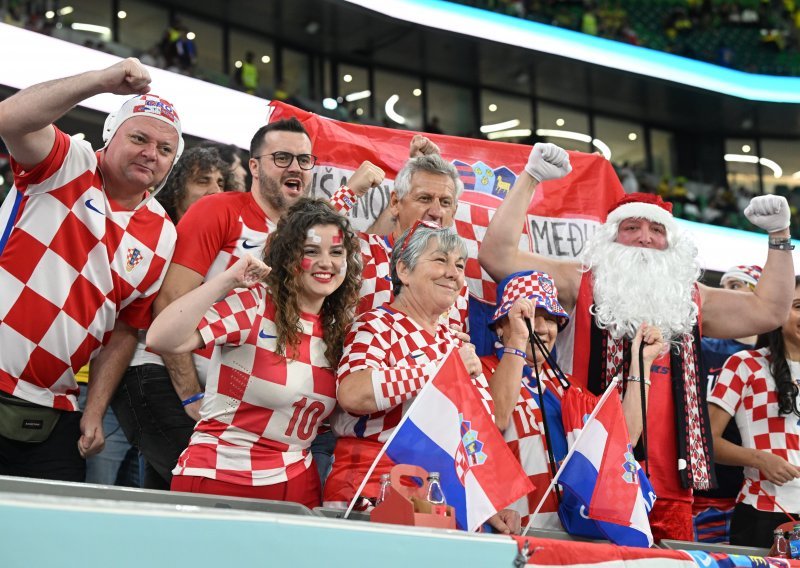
[[151, 415], [118, 463]]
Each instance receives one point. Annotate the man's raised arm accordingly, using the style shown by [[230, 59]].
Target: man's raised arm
[[729, 314], [500, 254], [25, 117]]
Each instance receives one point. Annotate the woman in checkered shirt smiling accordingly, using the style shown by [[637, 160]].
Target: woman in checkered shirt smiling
[[759, 390], [281, 326]]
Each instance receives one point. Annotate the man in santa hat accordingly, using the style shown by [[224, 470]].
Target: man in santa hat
[[640, 267]]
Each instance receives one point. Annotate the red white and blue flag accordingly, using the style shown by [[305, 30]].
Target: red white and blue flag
[[449, 430], [606, 493]]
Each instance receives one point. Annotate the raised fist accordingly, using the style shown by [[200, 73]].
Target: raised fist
[[548, 161], [421, 146], [128, 77], [367, 176], [768, 212]]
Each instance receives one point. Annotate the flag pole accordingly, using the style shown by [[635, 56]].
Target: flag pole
[[391, 437], [550, 487]]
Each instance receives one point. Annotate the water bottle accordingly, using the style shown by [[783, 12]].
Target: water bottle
[[780, 547], [386, 483], [435, 494], [794, 542]]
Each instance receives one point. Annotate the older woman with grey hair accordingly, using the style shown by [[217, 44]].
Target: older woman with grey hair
[[392, 351]]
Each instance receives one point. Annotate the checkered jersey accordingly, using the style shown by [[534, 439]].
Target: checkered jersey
[[72, 264], [471, 222], [382, 339], [376, 283], [261, 410], [214, 233], [526, 440], [747, 391]]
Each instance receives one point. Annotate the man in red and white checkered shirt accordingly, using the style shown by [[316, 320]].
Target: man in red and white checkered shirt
[[84, 248], [427, 188], [214, 233]]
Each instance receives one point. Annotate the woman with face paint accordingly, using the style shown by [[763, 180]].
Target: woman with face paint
[[281, 324]]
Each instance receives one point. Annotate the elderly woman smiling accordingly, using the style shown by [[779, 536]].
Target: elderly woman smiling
[[392, 351]]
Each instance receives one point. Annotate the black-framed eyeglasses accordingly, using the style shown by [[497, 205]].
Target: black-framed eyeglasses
[[285, 159]]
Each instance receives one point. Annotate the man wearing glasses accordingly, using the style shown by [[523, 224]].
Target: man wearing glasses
[[215, 232]]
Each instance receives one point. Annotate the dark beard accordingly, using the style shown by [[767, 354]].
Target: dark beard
[[269, 190]]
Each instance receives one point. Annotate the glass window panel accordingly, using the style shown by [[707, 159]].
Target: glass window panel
[[353, 88], [505, 117], [661, 148], [208, 46], [395, 102], [741, 165], [624, 139], [143, 26], [70, 14], [295, 73], [567, 128], [264, 51], [450, 108], [780, 168]]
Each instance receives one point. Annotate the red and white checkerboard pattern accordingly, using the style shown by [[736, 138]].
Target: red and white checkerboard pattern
[[376, 283], [536, 285], [261, 410], [384, 339], [471, 222], [67, 272], [525, 438], [747, 391]]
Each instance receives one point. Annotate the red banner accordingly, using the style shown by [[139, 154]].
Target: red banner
[[562, 215]]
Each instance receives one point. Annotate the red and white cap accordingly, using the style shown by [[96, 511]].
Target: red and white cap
[[537, 286], [748, 274], [643, 206], [149, 105]]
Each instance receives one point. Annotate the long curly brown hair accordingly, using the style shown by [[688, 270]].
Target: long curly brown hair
[[284, 253]]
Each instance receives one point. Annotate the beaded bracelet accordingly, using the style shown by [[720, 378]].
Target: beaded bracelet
[[634, 379], [193, 398], [512, 351]]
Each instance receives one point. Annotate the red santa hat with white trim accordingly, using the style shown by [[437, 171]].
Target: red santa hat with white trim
[[643, 206]]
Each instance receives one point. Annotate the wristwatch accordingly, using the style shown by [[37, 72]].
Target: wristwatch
[[781, 243]]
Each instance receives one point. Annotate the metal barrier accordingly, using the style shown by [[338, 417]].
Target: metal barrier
[[711, 547], [129, 494]]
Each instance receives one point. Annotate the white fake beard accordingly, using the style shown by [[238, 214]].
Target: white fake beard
[[635, 285]]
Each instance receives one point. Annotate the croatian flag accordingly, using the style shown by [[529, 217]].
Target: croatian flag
[[606, 493], [448, 430]]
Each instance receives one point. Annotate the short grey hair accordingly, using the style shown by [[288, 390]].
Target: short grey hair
[[431, 163], [448, 241]]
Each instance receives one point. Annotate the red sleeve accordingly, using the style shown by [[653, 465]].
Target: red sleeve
[[139, 313], [203, 231], [45, 168]]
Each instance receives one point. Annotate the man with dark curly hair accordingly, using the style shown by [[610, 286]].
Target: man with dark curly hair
[[201, 171]]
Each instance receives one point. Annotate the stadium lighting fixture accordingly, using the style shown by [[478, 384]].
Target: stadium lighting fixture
[[91, 28], [568, 134], [486, 128], [390, 112], [518, 133], [357, 96], [777, 171]]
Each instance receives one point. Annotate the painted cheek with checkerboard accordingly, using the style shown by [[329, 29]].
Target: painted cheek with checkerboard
[[324, 262]]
